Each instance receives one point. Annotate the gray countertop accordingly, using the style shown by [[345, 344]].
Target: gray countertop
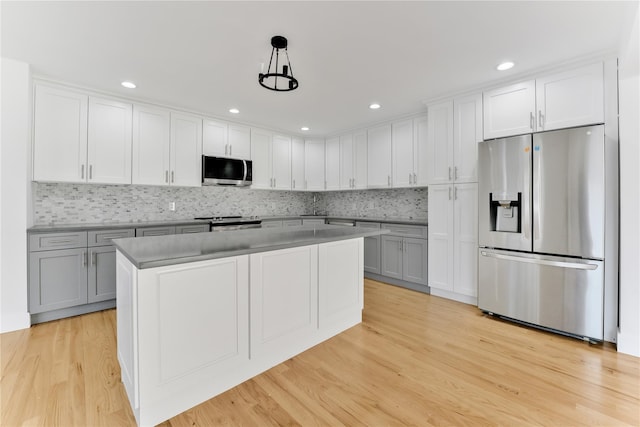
[[53, 227], [111, 225], [158, 251]]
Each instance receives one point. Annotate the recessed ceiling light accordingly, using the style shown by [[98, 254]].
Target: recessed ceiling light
[[374, 106], [234, 111], [304, 128], [129, 85], [505, 66]]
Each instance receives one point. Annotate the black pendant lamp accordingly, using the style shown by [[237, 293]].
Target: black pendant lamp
[[283, 81]]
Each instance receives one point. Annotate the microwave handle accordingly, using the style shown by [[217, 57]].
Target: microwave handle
[[244, 163]]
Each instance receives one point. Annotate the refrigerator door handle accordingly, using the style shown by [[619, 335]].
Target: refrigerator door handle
[[574, 265]]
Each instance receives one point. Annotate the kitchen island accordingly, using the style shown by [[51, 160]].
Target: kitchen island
[[199, 314]]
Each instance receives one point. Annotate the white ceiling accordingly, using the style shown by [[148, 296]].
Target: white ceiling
[[205, 56]]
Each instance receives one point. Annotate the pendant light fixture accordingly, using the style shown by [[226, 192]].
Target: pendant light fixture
[[274, 80]]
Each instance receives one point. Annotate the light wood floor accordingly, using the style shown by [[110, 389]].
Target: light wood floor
[[414, 360]]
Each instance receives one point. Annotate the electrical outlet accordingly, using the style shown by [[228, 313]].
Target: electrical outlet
[[172, 206]]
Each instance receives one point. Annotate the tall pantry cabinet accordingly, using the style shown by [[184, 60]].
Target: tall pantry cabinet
[[453, 132]]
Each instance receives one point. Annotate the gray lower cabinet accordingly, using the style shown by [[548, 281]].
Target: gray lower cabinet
[[57, 279], [196, 228], [291, 222], [72, 273], [371, 248], [401, 255], [272, 223], [314, 221], [155, 231]]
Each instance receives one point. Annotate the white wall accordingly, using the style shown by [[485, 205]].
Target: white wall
[[15, 113], [629, 104]]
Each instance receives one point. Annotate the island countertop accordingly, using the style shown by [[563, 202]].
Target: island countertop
[[158, 251]]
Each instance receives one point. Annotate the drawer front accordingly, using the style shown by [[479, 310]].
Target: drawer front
[[104, 237], [313, 222], [196, 228], [50, 241], [271, 224], [364, 224], [155, 231], [406, 230], [291, 222]]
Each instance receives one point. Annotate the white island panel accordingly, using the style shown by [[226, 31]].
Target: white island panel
[[186, 331]]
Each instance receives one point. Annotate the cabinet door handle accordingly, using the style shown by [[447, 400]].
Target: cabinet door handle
[[449, 173], [410, 178], [274, 183], [172, 176], [293, 182], [84, 258], [449, 193], [455, 172], [532, 120], [540, 119], [166, 176], [90, 171], [230, 149], [305, 184], [389, 180], [226, 149], [455, 193], [82, 172], [400, 245], [415, 178]]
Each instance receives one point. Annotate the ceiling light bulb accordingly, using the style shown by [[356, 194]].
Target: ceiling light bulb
[[234, 111], [304, 128], [128, 85], [505, 66], [374, 106]]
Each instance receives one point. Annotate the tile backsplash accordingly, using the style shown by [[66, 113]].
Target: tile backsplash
[[92, 203], [395, 203]]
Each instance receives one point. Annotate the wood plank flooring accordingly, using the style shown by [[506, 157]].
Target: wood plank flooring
[[415, 360]]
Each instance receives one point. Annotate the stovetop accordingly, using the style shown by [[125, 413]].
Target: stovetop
[[223, 219]]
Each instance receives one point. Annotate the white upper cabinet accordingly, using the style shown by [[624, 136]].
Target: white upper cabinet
[[109, 141], [271, 157], [60, 135], [347, 162], [467, 133], [226, 139], [565, 99], [186, 150], [360, 159], [215, 138], [239, 142], [332, 164], [314, 164], [297, 164], [78, 138], [151, 145], [571, 98], [379, 157], [510, 110], [402, 153], [440, 143], [261, 158], [281, 162], [453, 131], [420, 151]]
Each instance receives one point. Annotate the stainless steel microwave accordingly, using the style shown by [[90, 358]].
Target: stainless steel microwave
[[225, 171]]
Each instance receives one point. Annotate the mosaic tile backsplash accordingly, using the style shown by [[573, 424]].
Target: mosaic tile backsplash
[[91, 203]]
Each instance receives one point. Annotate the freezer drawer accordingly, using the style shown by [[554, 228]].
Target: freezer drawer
[[560, 293]]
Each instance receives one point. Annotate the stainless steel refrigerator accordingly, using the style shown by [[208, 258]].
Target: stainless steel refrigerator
[[541, 256]]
